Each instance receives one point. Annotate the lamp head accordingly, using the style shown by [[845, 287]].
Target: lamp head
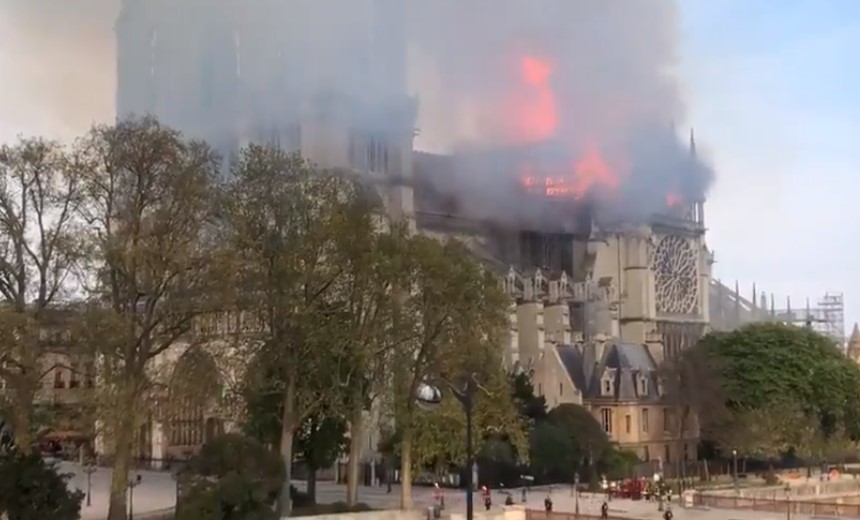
[[428, 396]]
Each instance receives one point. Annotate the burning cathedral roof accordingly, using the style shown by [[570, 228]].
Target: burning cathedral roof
[[540, 169]]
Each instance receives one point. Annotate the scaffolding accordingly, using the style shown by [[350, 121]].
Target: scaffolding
[[826, 317], [729, 310]]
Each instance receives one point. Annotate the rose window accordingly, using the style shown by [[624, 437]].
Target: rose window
[[676, 276]]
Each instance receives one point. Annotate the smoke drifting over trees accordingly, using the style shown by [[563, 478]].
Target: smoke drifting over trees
[[592, 81]]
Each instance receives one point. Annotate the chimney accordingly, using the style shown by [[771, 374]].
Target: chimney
[[654, 344], [600, 341]]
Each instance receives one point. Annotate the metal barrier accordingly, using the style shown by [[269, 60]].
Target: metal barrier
[[537, 514], [770, 505]]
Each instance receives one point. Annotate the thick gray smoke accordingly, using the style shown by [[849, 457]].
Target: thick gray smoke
[[558, 89], [610, 88]]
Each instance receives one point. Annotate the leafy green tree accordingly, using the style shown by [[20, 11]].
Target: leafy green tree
[[232, 478], [373, 265], [31, 489], [455, 315], [531, 406], [553, 453], [320, 441], [287, 225], [40, 193], [154, 267], [589, 443], [440, 432], [786, 375]]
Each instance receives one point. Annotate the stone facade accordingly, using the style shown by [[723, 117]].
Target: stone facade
[[612, 303]]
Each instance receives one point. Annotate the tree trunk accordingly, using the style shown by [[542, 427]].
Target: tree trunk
[[406, 470], [288, 427], [22, 416], [123, 438], [312, 485], [355, 443]]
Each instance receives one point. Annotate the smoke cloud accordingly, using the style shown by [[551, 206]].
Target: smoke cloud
[[559, 81], [565, 99]]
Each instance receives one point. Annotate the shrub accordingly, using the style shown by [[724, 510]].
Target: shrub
[[233, 478], [31, 489]]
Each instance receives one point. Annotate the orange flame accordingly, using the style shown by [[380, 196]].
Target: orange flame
[[537, 120], [672, 200]]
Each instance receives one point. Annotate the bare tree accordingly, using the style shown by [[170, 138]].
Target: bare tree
[[39, 195], [154, 265], [693, 390]]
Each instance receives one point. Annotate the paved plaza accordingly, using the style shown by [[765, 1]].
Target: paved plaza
[[157, 491]]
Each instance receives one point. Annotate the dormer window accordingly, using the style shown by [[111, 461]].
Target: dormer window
[[606, 386], [643, 386]]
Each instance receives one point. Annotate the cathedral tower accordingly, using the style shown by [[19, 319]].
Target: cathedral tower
[[233, 72]]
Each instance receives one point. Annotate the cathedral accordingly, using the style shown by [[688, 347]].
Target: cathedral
[[596, 305]]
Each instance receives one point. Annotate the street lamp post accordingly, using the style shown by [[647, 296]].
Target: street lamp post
[[89, 469], [131, 485], [787, 502], [576, 495], [431, 396], [735, 469]]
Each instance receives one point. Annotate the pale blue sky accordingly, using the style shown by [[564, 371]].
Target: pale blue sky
[[774, 94]]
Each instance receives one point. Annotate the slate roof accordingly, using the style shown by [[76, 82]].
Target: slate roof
[[621, 363]]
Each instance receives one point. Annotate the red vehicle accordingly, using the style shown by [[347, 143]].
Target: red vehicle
[[629, 488]]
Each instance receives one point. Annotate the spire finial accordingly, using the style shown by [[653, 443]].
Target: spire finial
[[692, 142], [755, 297]]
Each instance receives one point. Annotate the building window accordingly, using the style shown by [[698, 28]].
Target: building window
[[646, 454], [368, 153], [643, 386], [628, 423], [667, 420], [377, 155], [667, 453], [686, 452], [540, 389], [607, 386], [73, 377], [89, 381], [58, 379], [560, 389], [606, 420], [645, 420]]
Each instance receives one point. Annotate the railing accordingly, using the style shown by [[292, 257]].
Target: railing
[[536, 514], [770, 505]]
